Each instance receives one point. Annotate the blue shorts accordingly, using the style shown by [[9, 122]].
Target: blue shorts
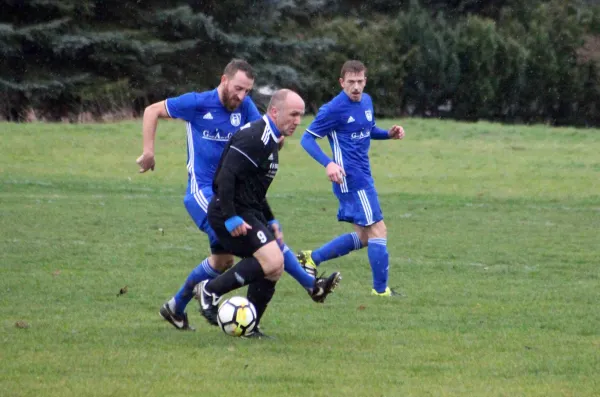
[[197, 206], [360, 207]]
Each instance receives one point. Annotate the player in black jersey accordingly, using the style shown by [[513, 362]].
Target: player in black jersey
[[241, 217]]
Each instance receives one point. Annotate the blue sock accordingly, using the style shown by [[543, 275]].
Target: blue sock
[[379, 260], [339, 246], [293, 267], [202, 272]]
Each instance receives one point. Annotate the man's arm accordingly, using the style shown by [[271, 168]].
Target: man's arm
[[181, 107], [379, 133], [396, 132], [232, 167], [335, 173], [149, 122], [235, 163], [309, 143]]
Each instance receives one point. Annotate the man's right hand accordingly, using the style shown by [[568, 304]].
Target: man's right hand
[[237, 226], [146, 162], [335, 173]]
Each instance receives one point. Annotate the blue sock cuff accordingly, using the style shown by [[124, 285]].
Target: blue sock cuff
[[209, 270], [357, 243], [378, 240]]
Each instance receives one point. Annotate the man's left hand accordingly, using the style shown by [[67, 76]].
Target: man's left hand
[[396, 132]]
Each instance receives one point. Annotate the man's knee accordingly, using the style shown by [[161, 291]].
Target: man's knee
[[361, 232], [270, 258], [221, 262], [377, 230]]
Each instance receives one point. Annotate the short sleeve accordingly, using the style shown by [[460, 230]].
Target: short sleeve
[[324, 123], [182, 107]]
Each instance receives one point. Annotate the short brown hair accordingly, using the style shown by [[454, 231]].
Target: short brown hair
[[236, 65], [352, 66]]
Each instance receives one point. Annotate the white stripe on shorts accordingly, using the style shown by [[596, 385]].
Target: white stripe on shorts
[[201, 200], [366, 206]]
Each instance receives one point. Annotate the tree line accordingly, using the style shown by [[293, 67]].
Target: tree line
[[502, 60]]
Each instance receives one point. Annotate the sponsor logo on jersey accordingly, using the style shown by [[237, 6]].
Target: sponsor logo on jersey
[[369, 115], [216, 135], [360, 135]]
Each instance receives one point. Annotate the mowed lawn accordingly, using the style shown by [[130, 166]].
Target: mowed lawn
[[493, 234]]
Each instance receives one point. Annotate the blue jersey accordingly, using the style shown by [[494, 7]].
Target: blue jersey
[[209, 127], [348, 126]]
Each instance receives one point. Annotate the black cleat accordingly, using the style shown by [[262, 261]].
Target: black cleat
[[257, 334], [325, 286], [209, 303], [179, 322]]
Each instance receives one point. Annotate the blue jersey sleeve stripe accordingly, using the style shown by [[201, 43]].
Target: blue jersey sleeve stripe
[[167, 108], [313, 133], [245, 155]]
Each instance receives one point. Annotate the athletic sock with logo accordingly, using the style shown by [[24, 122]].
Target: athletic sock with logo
[[245, 272]]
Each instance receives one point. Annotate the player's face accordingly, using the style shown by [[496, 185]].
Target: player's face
[[290, 115], [353, 85], [235, 89]]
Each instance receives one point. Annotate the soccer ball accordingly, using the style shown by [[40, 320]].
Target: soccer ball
[[237, 316]]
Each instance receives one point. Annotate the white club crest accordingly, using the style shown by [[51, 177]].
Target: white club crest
[[369, 115], [236, 119]]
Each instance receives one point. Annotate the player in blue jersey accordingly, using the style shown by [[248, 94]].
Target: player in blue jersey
[[212, 117], [348, 122]]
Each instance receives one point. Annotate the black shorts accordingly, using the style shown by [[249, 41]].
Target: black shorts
[[242, 246]]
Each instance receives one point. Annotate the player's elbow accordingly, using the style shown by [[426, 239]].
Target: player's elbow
[[155, 111]]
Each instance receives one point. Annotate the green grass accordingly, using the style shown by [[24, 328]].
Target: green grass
[[493, 233]]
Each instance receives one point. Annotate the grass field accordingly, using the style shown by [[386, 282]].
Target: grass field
[[493, 233]]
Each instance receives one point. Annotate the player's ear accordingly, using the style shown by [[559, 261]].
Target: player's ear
[[224, 79], [342, 82]]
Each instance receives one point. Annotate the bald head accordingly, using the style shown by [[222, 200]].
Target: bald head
[[280, 97], [286, 109]]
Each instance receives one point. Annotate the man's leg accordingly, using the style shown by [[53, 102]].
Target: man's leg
[[378, 256], [262, 258], [174, 310], [342, 245], [339, 246], [318, 288], [208, 269], [266, 263], [295, 269]]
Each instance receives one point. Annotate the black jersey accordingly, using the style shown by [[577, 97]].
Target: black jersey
[[246, 169]]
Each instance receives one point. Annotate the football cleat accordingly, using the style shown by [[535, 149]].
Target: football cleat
[[178, 321], [209, 303], [257, 334], [309, 266], [388, 292], [324, 286]]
